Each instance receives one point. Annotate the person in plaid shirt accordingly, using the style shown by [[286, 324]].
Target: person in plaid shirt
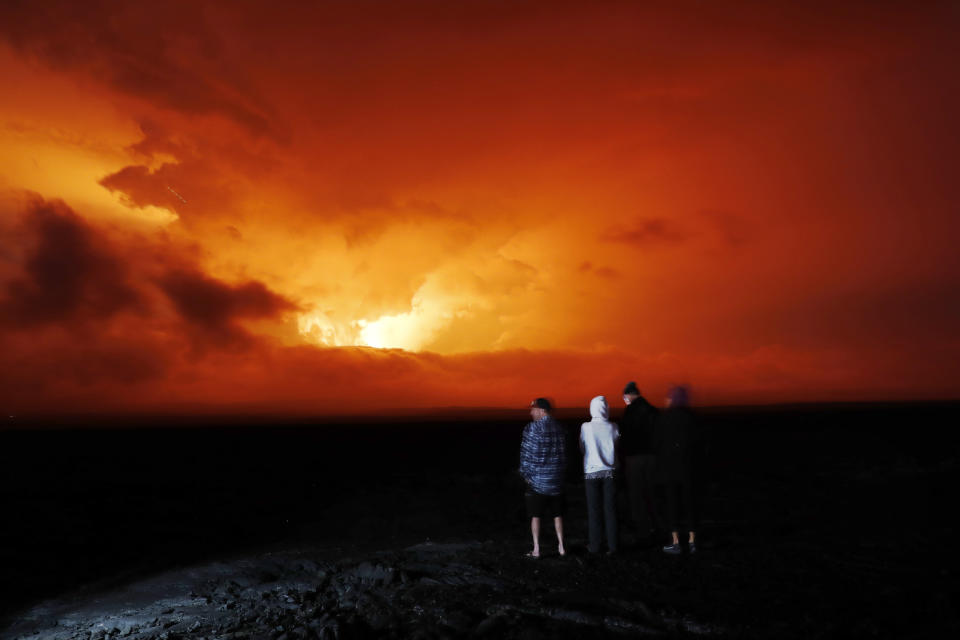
[[543, 459]]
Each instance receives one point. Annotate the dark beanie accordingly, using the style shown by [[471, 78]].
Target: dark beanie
[[541, 403], [631, 389], [679, 396]]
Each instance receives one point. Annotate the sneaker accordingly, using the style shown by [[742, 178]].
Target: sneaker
[[673, 549], [692, 547]]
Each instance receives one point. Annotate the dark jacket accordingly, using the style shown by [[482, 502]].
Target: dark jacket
[[636, 428], [677, 441]]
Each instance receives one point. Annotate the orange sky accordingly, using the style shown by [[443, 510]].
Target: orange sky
[[356, 206]]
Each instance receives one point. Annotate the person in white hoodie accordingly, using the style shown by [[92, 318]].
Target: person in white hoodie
[[598, 442]]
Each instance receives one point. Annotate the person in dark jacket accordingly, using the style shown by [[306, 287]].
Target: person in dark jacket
[[677, 443], [639, 460]]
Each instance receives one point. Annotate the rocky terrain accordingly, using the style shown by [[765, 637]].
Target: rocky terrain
[[427, 590]]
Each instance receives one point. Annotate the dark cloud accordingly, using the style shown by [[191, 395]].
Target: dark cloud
[[214, 306], [143, 187], [197, 177], [143, 53], [646, 232], [68, 274], [602, 272], [83, 324], [192, 188]]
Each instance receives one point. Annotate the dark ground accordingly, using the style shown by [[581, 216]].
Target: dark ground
[[817, 522]]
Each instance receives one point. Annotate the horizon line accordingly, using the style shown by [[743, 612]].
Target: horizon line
[[462, 412]]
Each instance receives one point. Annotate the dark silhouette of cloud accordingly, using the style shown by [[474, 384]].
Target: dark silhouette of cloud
[[646, 232], [143, 187], [191, 188], [69, 274], [214, 306], [139, 52], [601, 271]]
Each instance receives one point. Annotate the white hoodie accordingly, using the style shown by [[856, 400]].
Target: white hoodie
[[598, 439]]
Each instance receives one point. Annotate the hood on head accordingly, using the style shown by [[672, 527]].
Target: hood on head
[[598, 407]]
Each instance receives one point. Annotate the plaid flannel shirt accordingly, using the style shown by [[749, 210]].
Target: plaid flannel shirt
[[543, 456]]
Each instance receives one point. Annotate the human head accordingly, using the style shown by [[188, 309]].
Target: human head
[[679, 396], [539, 408], [598, 408], [630, 392]]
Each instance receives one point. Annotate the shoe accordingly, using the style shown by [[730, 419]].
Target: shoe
[[673, 549], [692, 547]]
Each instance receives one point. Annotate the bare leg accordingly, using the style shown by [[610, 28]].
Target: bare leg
[[535, 530], [693, 537], [676, 537], [558, 525]]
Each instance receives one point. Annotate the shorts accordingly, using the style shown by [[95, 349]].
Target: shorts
[[543, 506]]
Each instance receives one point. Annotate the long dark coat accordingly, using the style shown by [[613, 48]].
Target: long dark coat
[[677, 442]]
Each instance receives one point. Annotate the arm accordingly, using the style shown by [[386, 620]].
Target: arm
[[563, 449], [530, 452], [615, 436]]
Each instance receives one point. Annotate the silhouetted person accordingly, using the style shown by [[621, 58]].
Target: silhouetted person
[[677, 442], [639, 458], [543, 458], [598, 442]]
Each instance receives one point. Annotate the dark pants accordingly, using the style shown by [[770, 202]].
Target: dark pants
[[602, 491], [681, 505], [641, 493]]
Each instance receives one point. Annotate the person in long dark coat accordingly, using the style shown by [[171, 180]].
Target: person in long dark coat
[[639, 462], [677, 443]]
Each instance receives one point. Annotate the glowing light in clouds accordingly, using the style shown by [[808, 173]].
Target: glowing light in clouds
[[411, 330], [318, 328], [401, 331]]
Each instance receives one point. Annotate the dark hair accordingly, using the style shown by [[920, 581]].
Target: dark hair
[[541, 403], [631, 389]]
